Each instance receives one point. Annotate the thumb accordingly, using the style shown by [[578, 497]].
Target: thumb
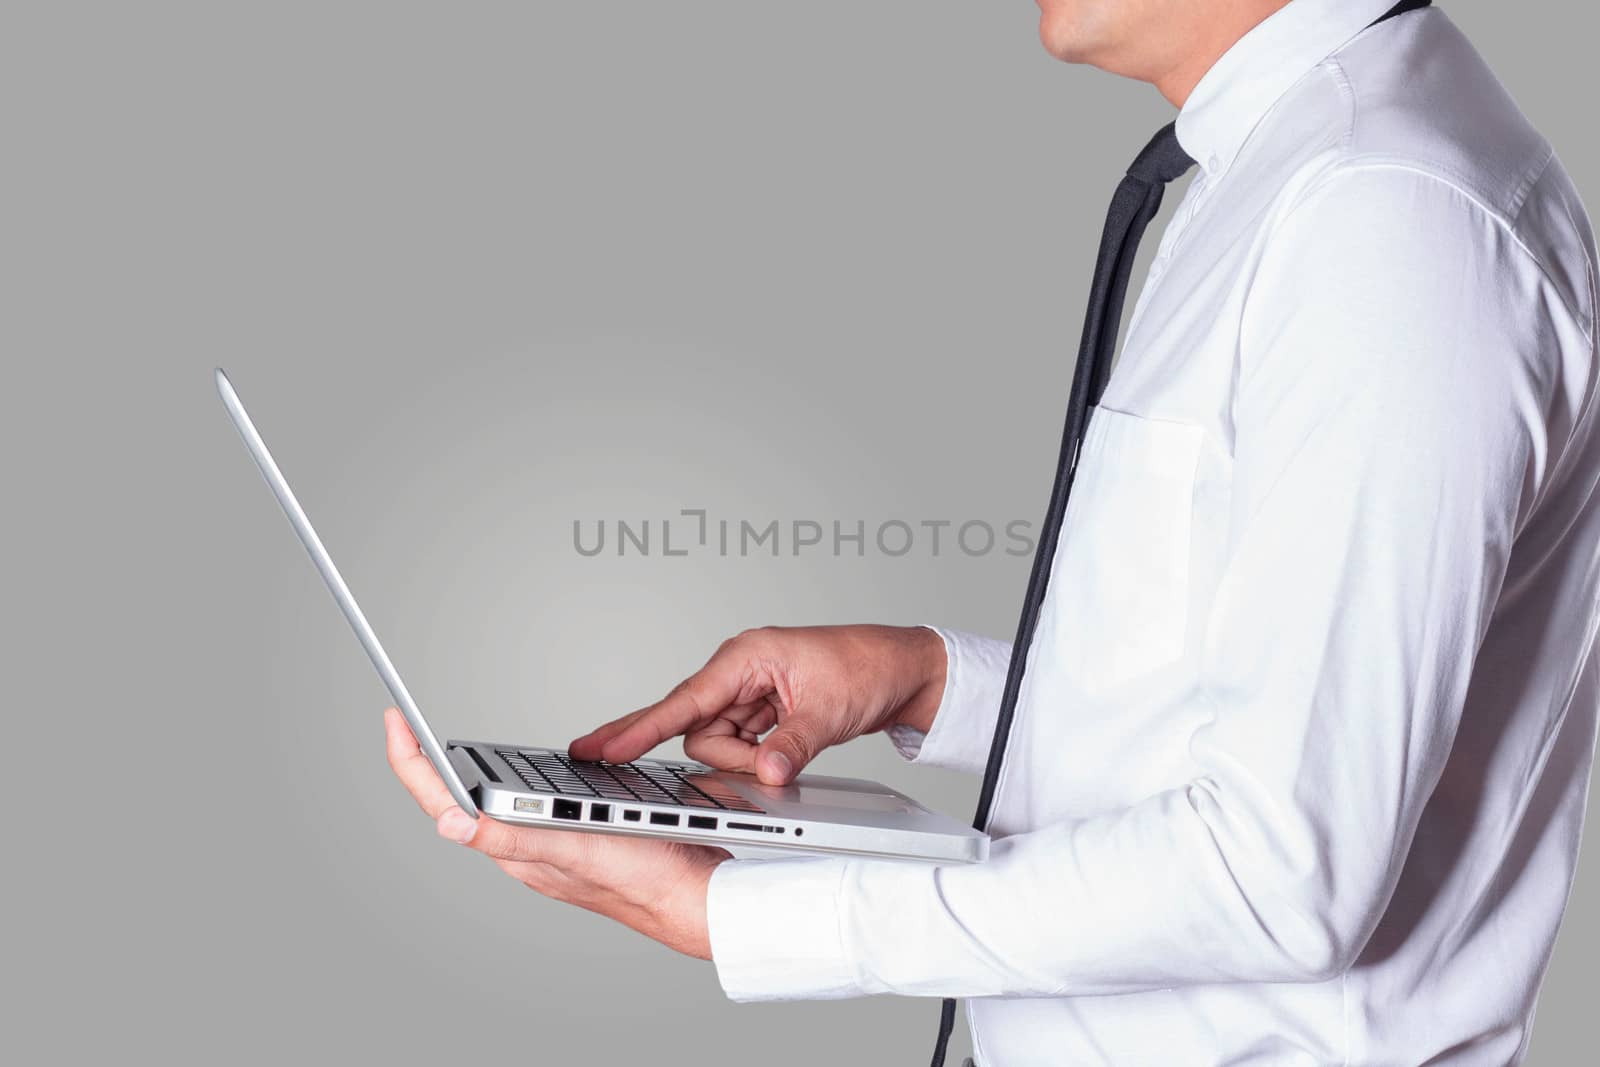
[[786, 751]]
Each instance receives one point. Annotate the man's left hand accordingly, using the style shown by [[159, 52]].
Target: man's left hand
[[656, 887]]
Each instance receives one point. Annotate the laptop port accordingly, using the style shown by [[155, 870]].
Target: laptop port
[[702, 822], [631, 814], [599, 812], [568, 809], [662, 818]]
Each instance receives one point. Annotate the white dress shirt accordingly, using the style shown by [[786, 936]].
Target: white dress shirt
[[1300, 761]]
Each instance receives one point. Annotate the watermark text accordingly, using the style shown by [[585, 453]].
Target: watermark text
[[694, 531]]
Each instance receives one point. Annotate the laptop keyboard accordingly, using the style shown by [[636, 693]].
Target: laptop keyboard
[[555, 772]]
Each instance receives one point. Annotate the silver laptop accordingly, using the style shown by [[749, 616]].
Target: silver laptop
[[653, 798]]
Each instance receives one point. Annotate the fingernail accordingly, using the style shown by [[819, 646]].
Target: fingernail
[[778, 766], [456, 825]]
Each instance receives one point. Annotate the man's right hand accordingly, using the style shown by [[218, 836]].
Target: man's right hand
[[804, 689]]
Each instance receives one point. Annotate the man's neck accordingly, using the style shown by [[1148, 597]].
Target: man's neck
[[1210, 38]]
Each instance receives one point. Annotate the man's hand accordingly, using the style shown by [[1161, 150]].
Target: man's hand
[[656, 887], [811, 687]]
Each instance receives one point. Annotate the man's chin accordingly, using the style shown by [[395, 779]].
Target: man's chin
[[1060, 41]]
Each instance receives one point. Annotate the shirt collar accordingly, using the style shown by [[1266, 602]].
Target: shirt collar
[[1241, 87]]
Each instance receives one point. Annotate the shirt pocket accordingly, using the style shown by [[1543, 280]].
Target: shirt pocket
[[1119, 589]]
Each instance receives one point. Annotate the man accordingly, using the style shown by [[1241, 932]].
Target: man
[[1300, 754]]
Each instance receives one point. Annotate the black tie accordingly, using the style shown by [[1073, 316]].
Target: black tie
[[1133, 205]]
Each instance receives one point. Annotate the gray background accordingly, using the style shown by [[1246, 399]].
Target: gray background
[[481, 270]]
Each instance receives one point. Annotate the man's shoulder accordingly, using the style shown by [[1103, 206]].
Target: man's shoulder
[[1423, 99], [1408, 119], [1418, 95]]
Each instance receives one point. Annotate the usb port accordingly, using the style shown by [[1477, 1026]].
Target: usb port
[[660, 818], [702, 822], [631, 814], [568, 809], [599, 812]]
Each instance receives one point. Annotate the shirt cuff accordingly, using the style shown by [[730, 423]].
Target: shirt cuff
[[774, 928], [963, 727]]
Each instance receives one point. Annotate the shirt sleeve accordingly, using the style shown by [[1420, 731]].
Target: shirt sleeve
[[1388, 435], [963, 727]]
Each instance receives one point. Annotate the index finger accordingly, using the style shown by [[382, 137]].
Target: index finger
[[699, 699], [589, 745]]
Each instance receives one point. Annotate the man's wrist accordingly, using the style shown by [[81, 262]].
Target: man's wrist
[[929, 664], [680, 919]]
